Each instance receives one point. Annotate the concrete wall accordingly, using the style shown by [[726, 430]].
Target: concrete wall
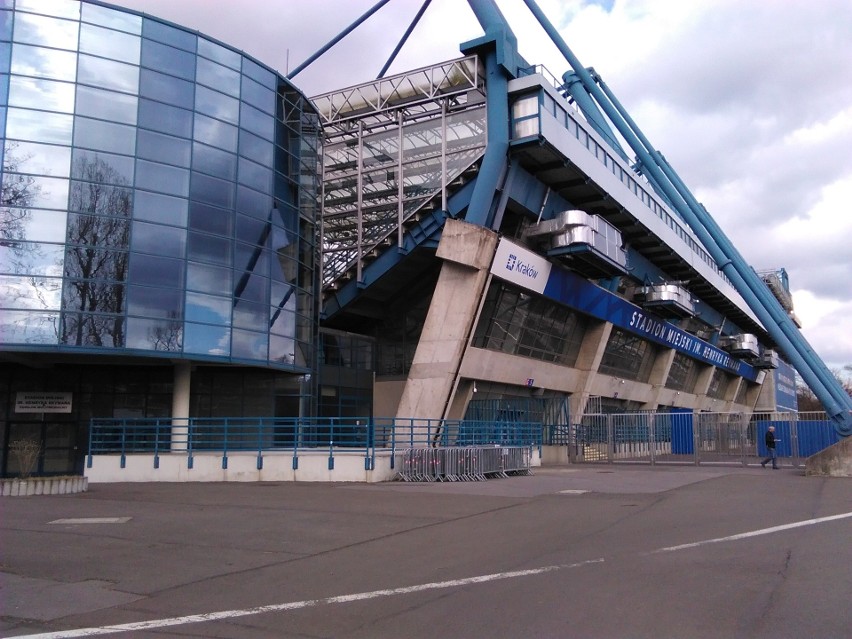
[[834, 461]]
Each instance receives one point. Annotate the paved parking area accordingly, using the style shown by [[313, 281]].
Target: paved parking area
[[573, 551]]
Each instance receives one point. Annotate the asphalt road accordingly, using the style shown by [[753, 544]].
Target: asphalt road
[[580, 551]]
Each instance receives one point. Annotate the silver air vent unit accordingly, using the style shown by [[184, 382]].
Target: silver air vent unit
[[743, 345], [767, 359], [671, 300]]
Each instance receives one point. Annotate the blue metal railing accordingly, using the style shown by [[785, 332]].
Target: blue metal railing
[[264, 435]]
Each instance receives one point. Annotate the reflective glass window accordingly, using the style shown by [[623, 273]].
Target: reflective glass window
[[31, 258], [4, 86], [108, 74], [112, 18], [210, 309], [208, 278], [252, 230], [282, 349], [207, 340], [215, 133], [103, 168], [39, 126], [259, 74], [216, 104], [106, 105], [43, 192], [166, 88], [157, 271], [44, 63], [251, 315], [219, 53], [168, 59], [155, 207], [155, 335], [37, 226], [163, 148], [5, 25], [41, 30], [29, 327], [256, 121], [257, 95], [93, 294], [256, 148], [158, 240], [27, 157], [248, 345], [219, 77], [41, 94], [163, 178], [165, 118], [214, 162], [58, 9], [212, 191], [86, 329], [169, 35], [253, 203], [208, 248], [104, 136], [27, 292], [256, 176], [109, 43], [212, 219], [249, 284]]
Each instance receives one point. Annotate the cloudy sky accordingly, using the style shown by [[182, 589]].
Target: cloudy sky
[[749, 100]]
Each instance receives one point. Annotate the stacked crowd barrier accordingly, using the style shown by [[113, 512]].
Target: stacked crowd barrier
[[470, 463]]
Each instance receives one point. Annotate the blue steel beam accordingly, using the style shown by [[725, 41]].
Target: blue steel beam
[[839, 413]]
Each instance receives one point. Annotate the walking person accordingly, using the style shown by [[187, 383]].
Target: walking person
[[770, 447]]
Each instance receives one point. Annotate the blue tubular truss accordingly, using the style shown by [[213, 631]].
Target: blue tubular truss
[[836, 402]]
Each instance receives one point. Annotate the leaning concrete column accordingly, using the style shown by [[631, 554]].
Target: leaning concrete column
[[180, 405]]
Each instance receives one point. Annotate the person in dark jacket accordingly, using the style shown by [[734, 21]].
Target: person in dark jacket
[[770, 447]]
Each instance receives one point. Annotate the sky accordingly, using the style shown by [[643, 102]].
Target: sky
[[749, 100]]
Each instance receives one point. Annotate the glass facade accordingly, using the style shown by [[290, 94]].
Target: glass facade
[[159, 192]]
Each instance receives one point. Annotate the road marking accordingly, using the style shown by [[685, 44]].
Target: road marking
[[754, 533], [573, 491], [92, 520], [296, 605]]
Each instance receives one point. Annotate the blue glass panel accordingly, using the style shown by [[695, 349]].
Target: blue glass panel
[[204, 217], [104, 136], [154, 302], [4, 83], [155, 335], [255, 176], [85, 329], [163, 178], [165, 118], [35, 225], [39, 126], [282, 349], [250, 286], [30, 293], [214, 162], [97, 197], [163, 148], [41, 94], [91, 263], [217, 104], [44, 63], [103, 168], [257, 95], [259, 74], [106, 17], [166, 88], [256, 121], [256, 148], [208, 248], [31, 258], [43, 192], [157, 271], [106, 105], [207, 340], [41, 30], [29, 327], [59, 9], [168, 60], [108, 74], [252, 230], [155, 207], [93, 295], [212, 191], [247, 345], [219, 77], [208, 278], [159, 240], [215, 133], [170, 35], [111, 44], [26, 157], [5, 25], [209, 309], [253, 203], [219, 53], [251, 315]]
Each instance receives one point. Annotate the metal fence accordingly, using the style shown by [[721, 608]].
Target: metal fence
[[330, 436], [694, 438]]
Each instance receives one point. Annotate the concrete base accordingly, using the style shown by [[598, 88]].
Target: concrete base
[[43, 486], [834, 461]]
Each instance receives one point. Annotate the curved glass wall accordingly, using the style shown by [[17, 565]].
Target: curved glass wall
[[159, 191]]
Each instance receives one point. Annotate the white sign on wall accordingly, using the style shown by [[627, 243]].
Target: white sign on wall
[[42, 402], [520, 266]]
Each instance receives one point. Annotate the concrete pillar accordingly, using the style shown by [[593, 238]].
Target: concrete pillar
[[589, 359], [659, 375], [180, 405]]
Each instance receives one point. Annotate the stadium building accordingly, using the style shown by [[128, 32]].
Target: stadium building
[[186, 236]]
